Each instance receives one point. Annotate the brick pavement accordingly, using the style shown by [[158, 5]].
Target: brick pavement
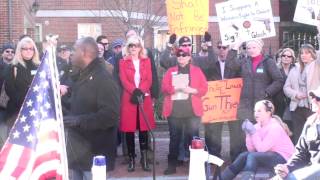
[[162, 145]]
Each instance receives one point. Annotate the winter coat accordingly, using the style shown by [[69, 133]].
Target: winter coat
[[264, 83], [197, 81], [307, 150], [291, 87], [17, 83], [95, 102], [128, 110]]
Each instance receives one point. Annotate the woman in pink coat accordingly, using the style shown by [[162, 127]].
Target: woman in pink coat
[[267, 141], [183, 86], [136, 79]]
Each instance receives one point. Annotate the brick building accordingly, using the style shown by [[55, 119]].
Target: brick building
[[72, 19]]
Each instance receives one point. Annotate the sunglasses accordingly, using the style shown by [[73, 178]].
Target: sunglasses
[[134, 45], [186, 45], [222, 47], [183, 55], [8, 51], [286, 56]]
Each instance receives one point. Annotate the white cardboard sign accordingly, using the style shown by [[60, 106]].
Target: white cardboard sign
[[245, 20], [307, 12]]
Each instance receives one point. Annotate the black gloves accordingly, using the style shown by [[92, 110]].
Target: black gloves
[[173, 38], [71, 121], [135, 95], [207, 37]]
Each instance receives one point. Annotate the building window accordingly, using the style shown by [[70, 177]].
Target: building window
[[89, 29], [38, 33]]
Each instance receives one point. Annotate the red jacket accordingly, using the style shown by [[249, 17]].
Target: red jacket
[[128, 111], [197, 81]]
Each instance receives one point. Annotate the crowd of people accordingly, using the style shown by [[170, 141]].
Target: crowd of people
[[108, 92]]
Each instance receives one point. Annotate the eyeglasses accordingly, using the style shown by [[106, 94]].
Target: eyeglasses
[[28, 49], [186, 45], [183, 55], [222, 47], [283, 55], [8, 51], [134, 45]]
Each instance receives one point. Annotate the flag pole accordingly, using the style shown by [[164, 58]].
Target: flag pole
[[57, 99]]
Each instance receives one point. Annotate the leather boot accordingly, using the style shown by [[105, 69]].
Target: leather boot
[[171, 169], [227, 174], [144, 161], [131, 165]]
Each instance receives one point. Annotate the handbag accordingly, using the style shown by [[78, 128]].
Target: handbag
[[4, 98]]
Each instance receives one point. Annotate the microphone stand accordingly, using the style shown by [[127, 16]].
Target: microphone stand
[[140, 100]]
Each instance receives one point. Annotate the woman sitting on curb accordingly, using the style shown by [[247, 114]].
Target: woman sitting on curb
[[262, 141], [305, 163]]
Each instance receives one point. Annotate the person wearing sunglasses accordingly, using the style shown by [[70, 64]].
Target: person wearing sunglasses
[[286, 61], [7, 56], [301, 78], [7, 53], [167, 61], [183, 86], [105, 42], [136, 80], [305, 162], [20, 75]]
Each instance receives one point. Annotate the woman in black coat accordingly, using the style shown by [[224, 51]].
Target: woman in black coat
[[20, 75]]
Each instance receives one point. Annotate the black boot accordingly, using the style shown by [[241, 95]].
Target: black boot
[[131, 165], [171, 169], [144, 160]]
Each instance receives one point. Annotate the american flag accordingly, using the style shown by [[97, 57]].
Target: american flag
[[35, 148]]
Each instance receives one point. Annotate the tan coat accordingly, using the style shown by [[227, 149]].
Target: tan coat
[[291, 87]]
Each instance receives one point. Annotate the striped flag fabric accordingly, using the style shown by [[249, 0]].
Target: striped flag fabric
[[35, 148]]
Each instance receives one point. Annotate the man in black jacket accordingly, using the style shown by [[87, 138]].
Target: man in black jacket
[[94, 108], [222, 69]]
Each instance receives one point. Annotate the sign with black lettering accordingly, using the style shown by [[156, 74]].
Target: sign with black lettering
[[307, 12], [245, 20], [222, 100], [188, 17]]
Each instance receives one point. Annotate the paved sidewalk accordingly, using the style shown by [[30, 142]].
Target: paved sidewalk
[[162, 145]]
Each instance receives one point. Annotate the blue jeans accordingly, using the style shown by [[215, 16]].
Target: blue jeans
[[309, 172], [191, 128], [250, 161]]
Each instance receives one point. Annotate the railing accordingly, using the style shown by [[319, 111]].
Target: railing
[[294, 40]]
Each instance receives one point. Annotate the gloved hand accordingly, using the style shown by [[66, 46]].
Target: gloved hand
[[135, 94], [248, 127], [173, 38], [71, 121], [207, 37]]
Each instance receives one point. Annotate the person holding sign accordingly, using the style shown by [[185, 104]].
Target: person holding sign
[[183, 86], [261, 78], [204, 62], [305, 163], [263, 150]]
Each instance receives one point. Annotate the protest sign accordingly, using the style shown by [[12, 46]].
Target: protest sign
[[188, 17], [307, 12], [222, 100], [245, 20]]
